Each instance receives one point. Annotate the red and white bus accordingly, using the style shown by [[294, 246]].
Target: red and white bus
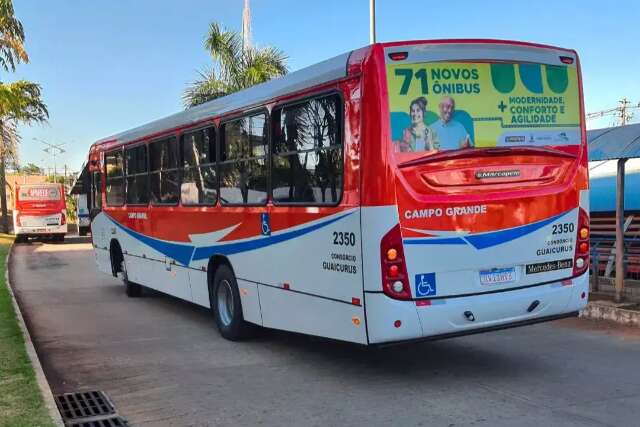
[[40, 211], [402, 191]]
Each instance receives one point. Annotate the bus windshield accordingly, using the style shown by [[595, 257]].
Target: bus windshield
[[437, 106]]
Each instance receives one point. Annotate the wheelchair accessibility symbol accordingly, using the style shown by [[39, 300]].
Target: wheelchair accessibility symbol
[[266, 228], [425, 284]]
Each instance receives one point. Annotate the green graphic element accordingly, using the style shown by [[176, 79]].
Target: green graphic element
[[557, 78], [531, 76], [503, 77]]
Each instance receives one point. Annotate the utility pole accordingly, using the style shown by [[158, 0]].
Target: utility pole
[[246, 26], [372, 21], [624, 116], [52, 149], [621, 112]]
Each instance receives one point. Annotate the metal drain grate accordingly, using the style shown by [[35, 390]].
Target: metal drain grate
[[104, 422], [73, 406]]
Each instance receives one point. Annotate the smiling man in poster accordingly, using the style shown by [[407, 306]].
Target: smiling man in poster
[[451, 134]]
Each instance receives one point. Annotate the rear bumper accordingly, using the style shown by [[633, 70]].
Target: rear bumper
[[443, 318], [39, 231]]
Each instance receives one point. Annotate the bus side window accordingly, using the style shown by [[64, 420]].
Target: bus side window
[[115, 181], [307, 162], [199, 185], [137, 177], [243, 161], [163, 172]]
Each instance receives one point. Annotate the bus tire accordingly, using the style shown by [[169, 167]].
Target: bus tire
[[118, 265], [133, 290], [226, 305]]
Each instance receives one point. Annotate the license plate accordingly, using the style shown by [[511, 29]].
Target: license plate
[[497, 276]]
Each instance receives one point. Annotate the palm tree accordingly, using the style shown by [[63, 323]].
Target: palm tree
[[11, 38], [236, 67], [20, 102]]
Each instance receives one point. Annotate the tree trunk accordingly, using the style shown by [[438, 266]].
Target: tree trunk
[[3, 181]]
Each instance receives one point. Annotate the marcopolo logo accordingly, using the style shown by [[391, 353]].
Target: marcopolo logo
[[497, 174]]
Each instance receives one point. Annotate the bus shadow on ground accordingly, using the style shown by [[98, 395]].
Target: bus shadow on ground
[[410, 361], [69, 240]]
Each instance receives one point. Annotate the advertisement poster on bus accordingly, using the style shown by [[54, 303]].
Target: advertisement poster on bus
[[449, 105]]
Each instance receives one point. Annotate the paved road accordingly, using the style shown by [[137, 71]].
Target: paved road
[[163, 363]]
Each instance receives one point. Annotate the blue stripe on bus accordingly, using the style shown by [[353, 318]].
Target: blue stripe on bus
[[185, 253], [443, 241], [234, 248], [487, 240], [180, 252]]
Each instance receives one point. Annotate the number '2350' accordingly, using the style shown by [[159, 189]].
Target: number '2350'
[[344, 239]]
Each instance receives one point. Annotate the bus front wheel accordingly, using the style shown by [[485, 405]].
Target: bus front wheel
[[226, 305]]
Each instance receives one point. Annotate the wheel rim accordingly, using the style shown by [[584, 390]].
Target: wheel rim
[[225, 302]]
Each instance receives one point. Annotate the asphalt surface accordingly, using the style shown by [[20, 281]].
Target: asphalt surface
[[162, 362]]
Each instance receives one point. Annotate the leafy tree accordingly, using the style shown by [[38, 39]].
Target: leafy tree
[[12, 50], [31, 169], [236, 67], [20, 102]]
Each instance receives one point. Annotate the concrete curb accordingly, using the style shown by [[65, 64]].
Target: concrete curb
[[598, 310], [43, 384]]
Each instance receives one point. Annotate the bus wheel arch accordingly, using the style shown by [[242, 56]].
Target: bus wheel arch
[[116, 257], [224, 299], [118, 265]]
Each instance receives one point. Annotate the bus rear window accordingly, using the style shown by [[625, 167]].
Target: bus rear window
[[436, 106], [38, 193]]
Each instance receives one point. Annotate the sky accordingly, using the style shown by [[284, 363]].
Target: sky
[[109, 65]]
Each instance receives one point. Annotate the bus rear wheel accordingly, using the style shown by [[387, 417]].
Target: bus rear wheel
[[133, 290], [226, 305]]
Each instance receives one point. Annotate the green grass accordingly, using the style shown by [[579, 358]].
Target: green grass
[[21, 403]]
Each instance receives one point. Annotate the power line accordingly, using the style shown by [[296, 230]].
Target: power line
[[52, 149], [622, 112]]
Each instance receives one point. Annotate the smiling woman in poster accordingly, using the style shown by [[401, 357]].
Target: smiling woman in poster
[[418, 137]]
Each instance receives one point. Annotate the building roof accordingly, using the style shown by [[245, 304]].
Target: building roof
[[619, 142]]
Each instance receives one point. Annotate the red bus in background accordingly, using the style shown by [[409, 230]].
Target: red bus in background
[[40, 212]]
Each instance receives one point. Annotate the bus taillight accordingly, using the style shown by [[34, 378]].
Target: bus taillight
[[395, 282], [18, 221], [63, 219], [581, 259]]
